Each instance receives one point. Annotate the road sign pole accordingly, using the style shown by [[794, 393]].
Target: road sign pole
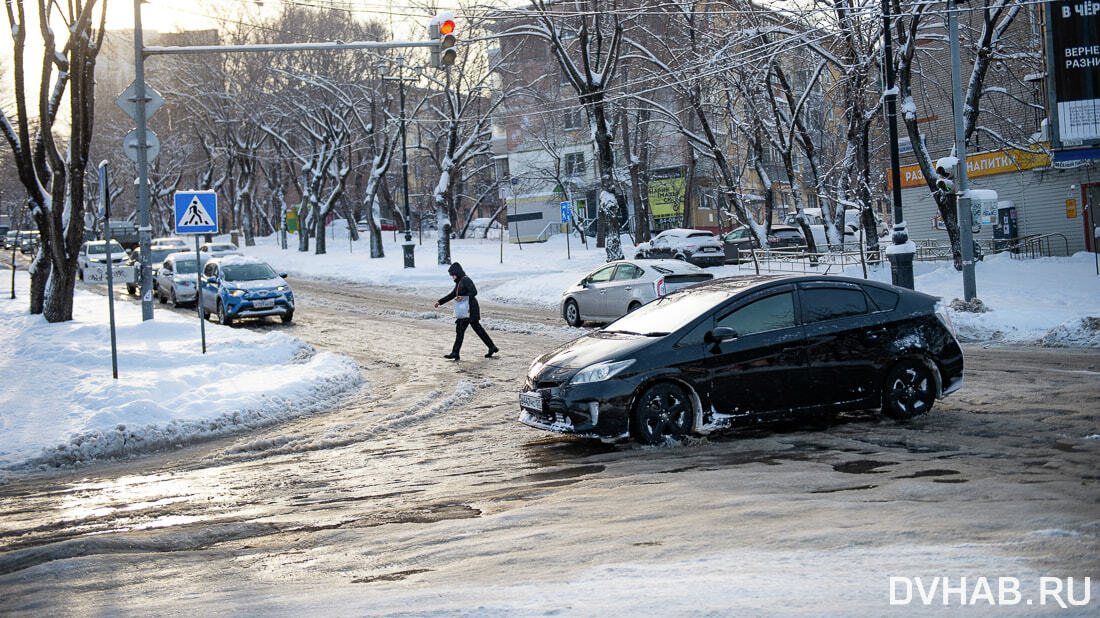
[[198, 293], [105, 201], [143, 170]]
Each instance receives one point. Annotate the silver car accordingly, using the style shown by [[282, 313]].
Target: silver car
[[176, 279], [180, 244], [218, 249], [615, 289]]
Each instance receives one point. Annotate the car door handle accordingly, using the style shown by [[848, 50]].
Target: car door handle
[[628, 288], [875, 333]]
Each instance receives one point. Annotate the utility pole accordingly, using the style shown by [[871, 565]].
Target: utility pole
[[408, 246], [901, 252], [962, 198]]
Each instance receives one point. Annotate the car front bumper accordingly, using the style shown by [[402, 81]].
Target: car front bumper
[[594, 410], [247, 308]]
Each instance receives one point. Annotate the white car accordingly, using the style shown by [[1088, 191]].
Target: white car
[[699, 247], [617, 288], [95, 252], [218, 249], [179, 244]]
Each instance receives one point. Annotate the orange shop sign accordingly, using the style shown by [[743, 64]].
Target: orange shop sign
[[984, 164]]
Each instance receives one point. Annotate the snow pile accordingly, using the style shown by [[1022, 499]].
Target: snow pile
[[58, 385]]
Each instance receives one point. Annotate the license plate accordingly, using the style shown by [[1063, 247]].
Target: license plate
[[710, 249], [264, 304], [531, 401]]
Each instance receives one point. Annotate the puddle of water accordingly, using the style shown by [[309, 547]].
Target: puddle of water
[[862, 466]]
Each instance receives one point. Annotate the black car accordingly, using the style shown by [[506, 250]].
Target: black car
[[736, 243], [748, 348]]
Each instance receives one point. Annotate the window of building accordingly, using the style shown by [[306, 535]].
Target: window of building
[[501, 165], [574, 164], [574, 118]]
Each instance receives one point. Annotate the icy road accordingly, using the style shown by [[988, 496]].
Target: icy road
[[422, 494]]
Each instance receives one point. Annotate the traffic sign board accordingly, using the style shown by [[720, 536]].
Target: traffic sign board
[[128, 101], [196, 212], [565, 212], [130, 145]]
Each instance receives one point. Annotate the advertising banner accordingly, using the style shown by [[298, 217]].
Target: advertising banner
[[1073, 63], [666, 193]]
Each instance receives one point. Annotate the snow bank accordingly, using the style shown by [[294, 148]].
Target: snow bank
[[61, 405]]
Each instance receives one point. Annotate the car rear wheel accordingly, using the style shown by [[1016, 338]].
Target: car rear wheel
[[572, 313], [663, 410], [223, 315], [910, 390]]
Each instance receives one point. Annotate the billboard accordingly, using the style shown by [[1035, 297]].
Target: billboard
[[1073, 71], [666, 193], [980, 164]]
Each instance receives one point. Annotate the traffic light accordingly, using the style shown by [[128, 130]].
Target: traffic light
[[441, 30], [447, 40], [945, 170]]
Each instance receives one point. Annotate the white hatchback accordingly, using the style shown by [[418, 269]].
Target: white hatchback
[[617, 288]]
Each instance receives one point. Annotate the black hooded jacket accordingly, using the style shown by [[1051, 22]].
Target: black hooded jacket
[[464, 287]]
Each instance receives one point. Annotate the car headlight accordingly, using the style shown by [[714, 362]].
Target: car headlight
[[600, 371], [236, 292], [282, 288]]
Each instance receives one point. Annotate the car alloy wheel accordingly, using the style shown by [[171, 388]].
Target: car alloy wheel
[[663, 410], [572, 313], [223, 315], [287, 317], [910, 390]]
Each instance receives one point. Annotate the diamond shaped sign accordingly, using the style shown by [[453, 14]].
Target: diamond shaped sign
[[128, 101]]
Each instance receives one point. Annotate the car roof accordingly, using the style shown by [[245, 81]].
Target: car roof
[[187, 256], [235, 259]]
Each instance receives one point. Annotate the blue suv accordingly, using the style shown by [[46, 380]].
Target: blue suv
[[235, 287]]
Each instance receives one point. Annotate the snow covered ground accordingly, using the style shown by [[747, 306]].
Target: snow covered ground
[[59, 404], [1044, 301]]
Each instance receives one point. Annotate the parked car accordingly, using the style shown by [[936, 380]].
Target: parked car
[[613, 290], [95, 252], [385, 225], [699, 247], [736, 243], [236, 287], [180, 244], [11, 239], [218, 249], [748, 349], [176, 279], [157, 253], [28, 241]]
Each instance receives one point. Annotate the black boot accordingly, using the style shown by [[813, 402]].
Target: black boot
[[452, 356], [493, 350]]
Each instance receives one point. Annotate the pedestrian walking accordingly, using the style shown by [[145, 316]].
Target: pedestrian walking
[[467, 312]]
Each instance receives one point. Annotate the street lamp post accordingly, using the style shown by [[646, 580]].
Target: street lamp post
[[901, 253], [407, 246]]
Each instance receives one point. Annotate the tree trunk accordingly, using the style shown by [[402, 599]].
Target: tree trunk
[[443, 228], [319, 227]]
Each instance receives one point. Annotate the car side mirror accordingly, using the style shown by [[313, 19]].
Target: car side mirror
[[585, 283], [720, 334], [283, 275], [212, 280]]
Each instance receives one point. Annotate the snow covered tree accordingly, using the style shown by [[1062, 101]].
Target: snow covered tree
[[986, 41], [52, 172]]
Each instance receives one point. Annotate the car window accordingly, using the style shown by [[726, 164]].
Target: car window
[[602, 275], [820, 304], [669, 313], [625, 272], [697, 335], [700, 235], [885, 299], [736, 234], [167, 267], [185, 267], [247, 272], [211, 270], [101, 249], [769, 313]]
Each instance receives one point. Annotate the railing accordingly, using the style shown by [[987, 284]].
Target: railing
[[1032, 246], [546, 232]]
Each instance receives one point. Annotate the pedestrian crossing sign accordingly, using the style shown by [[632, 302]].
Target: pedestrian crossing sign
[[196, 212]]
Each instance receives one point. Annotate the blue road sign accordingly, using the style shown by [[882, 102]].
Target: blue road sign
[[196, 212], [565, 212]]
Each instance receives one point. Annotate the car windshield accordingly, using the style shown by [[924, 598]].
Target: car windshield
[[667, 314], [101, 249], [223, 248], [247, 272], [185, 267], [158, 255]]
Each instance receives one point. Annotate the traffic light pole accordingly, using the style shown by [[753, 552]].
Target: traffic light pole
[[964, 216], [140, 52]]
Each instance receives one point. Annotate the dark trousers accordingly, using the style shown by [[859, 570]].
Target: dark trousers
[[460, 332]]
